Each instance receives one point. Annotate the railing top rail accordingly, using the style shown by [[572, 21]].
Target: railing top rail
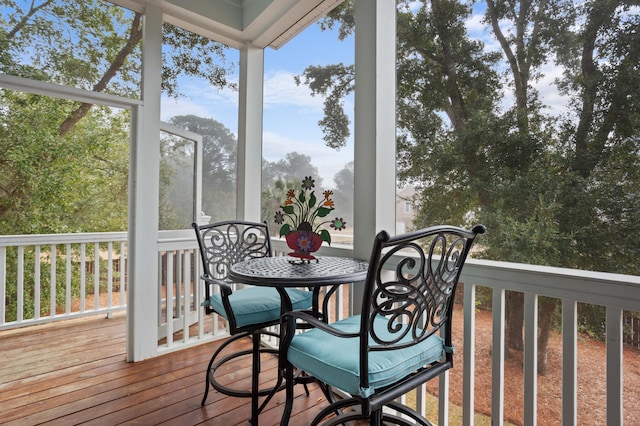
[[598, 288], [46, 239]]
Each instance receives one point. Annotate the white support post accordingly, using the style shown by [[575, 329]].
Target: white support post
[[374, 125], [497, 360], [569, 362], [250, 133], [530, 359], [615, 376], [144, 176], [469, 355]]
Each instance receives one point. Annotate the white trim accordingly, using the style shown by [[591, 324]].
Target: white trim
[[197, 164], [144, 190], [57, 91], [374, 122], [249, 173]]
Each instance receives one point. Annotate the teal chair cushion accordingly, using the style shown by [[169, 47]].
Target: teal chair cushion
[[335, 360], [256, 305]]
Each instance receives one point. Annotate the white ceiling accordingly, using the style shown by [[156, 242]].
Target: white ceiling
[[260, 23]]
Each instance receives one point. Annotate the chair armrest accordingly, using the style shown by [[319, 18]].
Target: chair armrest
[[291, 317], [225, 288], [290, 323]]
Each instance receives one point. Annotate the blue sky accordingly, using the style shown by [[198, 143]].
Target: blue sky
[[291, 114]]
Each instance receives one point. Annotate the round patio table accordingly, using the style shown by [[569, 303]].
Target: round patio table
[[281, 271]]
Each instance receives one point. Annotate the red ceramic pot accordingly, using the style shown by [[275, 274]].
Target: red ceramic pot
[[303, 243]]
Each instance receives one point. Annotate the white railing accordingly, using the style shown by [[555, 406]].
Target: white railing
[[66, 257], [616, 293], [180, 296], [46, 278]]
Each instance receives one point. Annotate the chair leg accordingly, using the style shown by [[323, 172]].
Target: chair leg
[[376, 418], [206, 380], [275, 389], [206, 389], [288, 379], [209, 371], [255, 379]]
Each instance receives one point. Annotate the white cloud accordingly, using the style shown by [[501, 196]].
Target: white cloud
[[172, 107], [200, 98], [281, 90], [210, 94], [475, 26], [556, 104]]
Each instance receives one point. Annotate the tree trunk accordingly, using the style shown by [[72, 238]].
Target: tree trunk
[[458, 114], [600, 15], [514, 322], [545, 319], [25, 19], [135, 35]]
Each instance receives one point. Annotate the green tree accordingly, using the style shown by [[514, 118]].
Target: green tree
[[51, 184], [64, 166], [92, 45], [344, 191], [219, 152], [601, 192], [294, 167], [552, 190], [534, 27], [272, 198]]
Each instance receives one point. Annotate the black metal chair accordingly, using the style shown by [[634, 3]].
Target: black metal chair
[[401, 339], [248, 311]]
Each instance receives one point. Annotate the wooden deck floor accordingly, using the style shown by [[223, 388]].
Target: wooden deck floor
[[75, 372]]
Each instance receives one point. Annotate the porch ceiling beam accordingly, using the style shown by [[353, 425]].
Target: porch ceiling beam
[[259, 23]]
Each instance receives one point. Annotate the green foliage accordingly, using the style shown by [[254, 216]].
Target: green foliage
[[291, 169], [91, 45], [334, 82], [344, 192], [192, 54], [52, 184], [57, 40], [558, 190], [550, 191], [64, 166], [592, 320]]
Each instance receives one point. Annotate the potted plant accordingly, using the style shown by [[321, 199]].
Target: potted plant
[[302, 221]]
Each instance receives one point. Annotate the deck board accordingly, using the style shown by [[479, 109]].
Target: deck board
[[75, 372]]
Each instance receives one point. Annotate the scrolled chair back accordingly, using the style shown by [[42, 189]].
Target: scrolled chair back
[[411, 283], [223, 244]]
